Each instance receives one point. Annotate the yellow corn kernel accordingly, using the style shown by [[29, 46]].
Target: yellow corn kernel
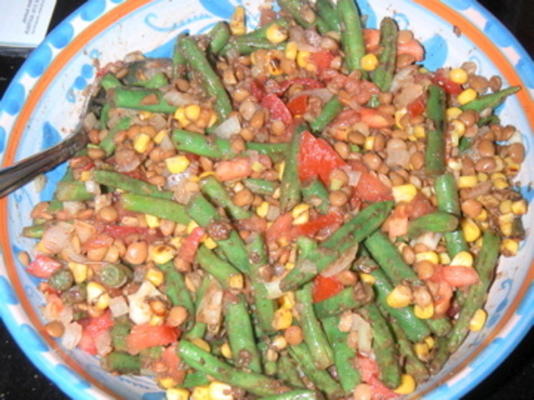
[[161, 254], [291, 50], [179, 115], [201, 393], [257, 166], [176, 242], [483, 216], [458, 127], [369, 143], [303, 58], [144, 115], [156, 320], [176, 394], [505, 224], [500, 184], [497, 175], [419, 131], [482, 177], [280, 167], [407, 385], [458, 75], [154, 276], [369, 62], [287, 301], [236, 281], [97, 295], [201, 343], [279, 343], [431, 256], [283, 318], [519, 207], [79, 271], [462, 259], [400, 296], [299, 209], [237, 22], [213, 119], [177, 164], [85, 176], [191, 226], [210, 243], [192, 112], [471, 230], [405, 192], [424, 312], [453, 113], [422, 351], [167, 382], [467, 181], [276, 34], [152, 221], [510, 247], [289, 266], [141, 142], [467, 96], [226, 351], [220, 391], [160, 136], [505, 207], [444, 258], [478, 320], [429, 340], [398, 116], [455, 164], [367, 278], [262, 209]]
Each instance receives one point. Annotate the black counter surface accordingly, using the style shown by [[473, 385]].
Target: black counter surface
[[513, 380]]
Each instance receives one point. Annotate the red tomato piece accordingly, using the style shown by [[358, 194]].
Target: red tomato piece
[[257, 88], [458, 276], [92, 328], [277, 108], [325, 287], [374, 118], [322, 59], [369, 187], [419, 206], [119, 231], [416, 107], [189, 246], [330, 220], [370, 371], [371, 37], [237, 168], [136, 174], [43, 266], [279, 88], [145, 336], [97, 241], [173, 362], [298, 105], [281, 227], [446, 84]]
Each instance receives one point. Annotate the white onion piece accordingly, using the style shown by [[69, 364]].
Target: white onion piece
[[273, 289], [354, 176], [365, 336], [103, 343], [118, 306], [397, 153], [342, 263], [166, 143], [210, 307], [140, 312], [84, 230], [92, 187], [57, 237], [231, 126], [272, 213], [102, 200], [400, 78], [72, 335], [72, 207], [89, 121], [323, 93], [429, 239], [65, 316]]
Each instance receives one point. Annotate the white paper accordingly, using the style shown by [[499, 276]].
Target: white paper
[[23, 23]]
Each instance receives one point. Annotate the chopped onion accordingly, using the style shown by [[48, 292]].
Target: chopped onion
[[126, 160], [365, 336], [323, 93], [272, 213], [102, 200], [273, 289], [89, 121], [92, 187], [306, 266], [342, 263], [57, 237], [140, 311], [429, 239], [166, 143], [354, 176], [65, 316], [72, 207], [84, 230], [400, 78], [118, 306], [210, 307], [231, 126], [72, 335], [397, 153], [103, 343]]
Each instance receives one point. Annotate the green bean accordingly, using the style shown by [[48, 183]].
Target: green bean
[[179, 62], [314, 336], [103, 118], [273, 150], [246, 46], [351, 33], [110, 81], [287, 371], [72, 191], [476, 296], [166, 209], [194, 379], [317, 195], [290, 186], [123, 363], [212, 83], [260, 186], [270, 367], [438, 221], [330, 110], [435, 143], [327, 12], [261, 32], [108, 143], [219, 36], [265, 307], [384, 348], [199, 328], [349, 298], [210, 147], [362, 225], [252, 382], [320, 378], [212, 188], [383, 75], [295, 9], [295, 395], [176, 289], [129, 184], [119, 332], [491, 100], [391, 261], [157, 81], [349, 377], [114, 275], [34, 231], [489, 120], [202, 211], [141, 99], [241, 336], [61, 279], [224, 272]]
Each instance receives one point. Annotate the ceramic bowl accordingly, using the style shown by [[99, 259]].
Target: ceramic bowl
[[44, 101]]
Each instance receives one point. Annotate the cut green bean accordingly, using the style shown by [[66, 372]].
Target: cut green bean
[[351, 33], [194, 379], [290, 186], [122, 363], [348, 299], [273, 150], [288, 372], [129, 184], [260, 186], [34, 231], [328, 13], [387, 58], [330, 110], [73, 191], [141, 99], [195, 143], [119, 332], [437, 221], [435, 142], [491, 100], [212, 188], [176, 289], [316, 194], [108, 143], [110, 81], [114, 275], [224, 272], [219, 36], [295, 395], [161, 208]]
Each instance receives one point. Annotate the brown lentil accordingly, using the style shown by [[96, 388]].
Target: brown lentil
[[243, 198], [486, 164], [417, 160], [372, 161], [471, 207], [177, 316], [486, 148], [468, 117], [424, 269], [342, 149], [338, 198], [516, 151], [108, 214], [293, 335], [136, 253]]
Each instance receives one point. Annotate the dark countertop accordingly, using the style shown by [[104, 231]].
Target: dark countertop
[[19, 379]]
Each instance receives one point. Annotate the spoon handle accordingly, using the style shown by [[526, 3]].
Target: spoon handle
[[15, 176]]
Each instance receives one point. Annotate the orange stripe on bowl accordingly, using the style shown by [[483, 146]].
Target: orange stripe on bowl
[[34, 96]]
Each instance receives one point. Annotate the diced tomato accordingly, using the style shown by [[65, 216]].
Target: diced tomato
[[54, 305], [257, 89], [87, 343], [458, 276], [419, 206], [173, 363], [92, 328], [277, 108], [416, 107], [325, 287], [369, 187], [119, 231], [371, 37], [317, 158], [43, 266], [397, 223], [330, 220], [237, 168], [374, 118], [281, 227], [145, 336], [136, 174], [98, 241], [298, 105], [370, 372], [190, 244], [446, 84], [279, 88], [322, 59], [413, 48]]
